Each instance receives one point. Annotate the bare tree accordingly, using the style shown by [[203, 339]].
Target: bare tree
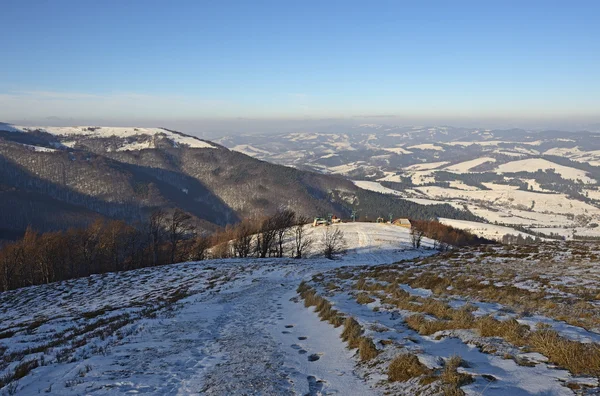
[[243, 235], [334, 242], [302, 242], [199, 248], [266, 237], [416, 235], [178, 226], [283, 221], [156, 232]]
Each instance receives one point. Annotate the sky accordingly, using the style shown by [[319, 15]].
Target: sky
[[198, 63]]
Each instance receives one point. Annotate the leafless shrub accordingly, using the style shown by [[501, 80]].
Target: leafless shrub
[[302, 242], [334, 242]]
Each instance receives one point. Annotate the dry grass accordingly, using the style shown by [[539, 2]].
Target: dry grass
[[367, 349], [352, 333], [578, 358], [511, 330], [506, 266], [322, 306], [405, 367], [452, 378], [364, 298]]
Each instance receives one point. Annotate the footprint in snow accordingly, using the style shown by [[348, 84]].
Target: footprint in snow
[[302, 338], [296, 346], [285, 332], [302, 352], [314, 357], [289, 326], [315, 387]]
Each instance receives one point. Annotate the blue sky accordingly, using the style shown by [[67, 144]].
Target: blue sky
[[144, 60]]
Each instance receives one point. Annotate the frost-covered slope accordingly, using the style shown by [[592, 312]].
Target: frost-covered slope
[[135, 138], [535, 164], [537, 180], [214, 327]]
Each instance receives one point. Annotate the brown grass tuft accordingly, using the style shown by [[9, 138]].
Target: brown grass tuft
[[367, 349], [405, 367], [352, 333], [451, 378], [364, 298]]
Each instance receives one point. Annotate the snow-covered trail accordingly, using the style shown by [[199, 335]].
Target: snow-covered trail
[[239, 329], [272, 345]]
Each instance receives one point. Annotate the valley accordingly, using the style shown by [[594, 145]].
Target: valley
[[538, 183]]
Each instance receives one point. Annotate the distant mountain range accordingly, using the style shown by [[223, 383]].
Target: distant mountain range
[[58, 177], [544, 181]]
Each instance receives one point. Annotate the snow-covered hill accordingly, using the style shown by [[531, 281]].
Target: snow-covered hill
[[542, 180], [216, 327], [239, 326], [132, 138]]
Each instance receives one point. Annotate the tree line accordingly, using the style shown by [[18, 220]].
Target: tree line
[[443, 235], [167, 237]]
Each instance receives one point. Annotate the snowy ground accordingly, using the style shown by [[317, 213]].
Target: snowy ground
[[214, 327], [229, 327], [524, 320]]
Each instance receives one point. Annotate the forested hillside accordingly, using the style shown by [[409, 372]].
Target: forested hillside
[[54, 179]]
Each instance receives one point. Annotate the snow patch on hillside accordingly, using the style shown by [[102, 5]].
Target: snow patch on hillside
[[120, 132], [535, 164], [466, 166], [398, 150], [489, 231], [375, 186], [427, 146]]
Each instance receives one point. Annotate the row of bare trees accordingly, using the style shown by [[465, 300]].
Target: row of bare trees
[[443, 235], [167, 237], [265, 237], [104, 246]]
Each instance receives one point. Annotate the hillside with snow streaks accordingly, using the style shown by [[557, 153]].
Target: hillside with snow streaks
[[119, 132], [216, 327], [268, 326], [538, 180]]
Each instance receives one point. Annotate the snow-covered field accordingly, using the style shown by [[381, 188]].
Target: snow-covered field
[[503, 207], [535, 164], [215, 327], [489, 231], [121, 132], [240, 326], [375, 186], [490, 306]]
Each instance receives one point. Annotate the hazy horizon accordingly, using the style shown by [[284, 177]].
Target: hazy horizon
[[237, 67]]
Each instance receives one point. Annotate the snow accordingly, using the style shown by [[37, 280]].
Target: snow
[[234, 332], [490, 231], [331, 155], [459, 185], [507, 197], [398, 150], [375, 186], [249, 150], [535, 164], [466, 166], [427, 146], [345, 168], [39, 149], [426, 166], [122, 132]]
